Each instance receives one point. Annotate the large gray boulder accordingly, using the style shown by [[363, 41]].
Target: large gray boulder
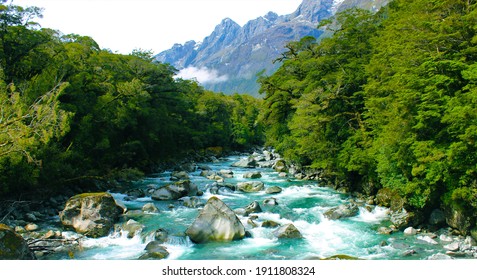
[[342, 211], [13, 246], [175, 191], [216, 222], [91, 214], [250, 186]]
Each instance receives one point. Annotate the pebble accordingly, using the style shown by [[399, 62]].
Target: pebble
[[31, 227], [20, 229], [410, 231], [49, 234], [454, 246]]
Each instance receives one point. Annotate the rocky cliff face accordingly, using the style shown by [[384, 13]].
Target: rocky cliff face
[[229, 59]]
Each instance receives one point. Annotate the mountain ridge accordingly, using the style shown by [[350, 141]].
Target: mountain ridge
[[229, 59]]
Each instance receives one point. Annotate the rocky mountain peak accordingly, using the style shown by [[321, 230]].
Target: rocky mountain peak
[[231, 56], [313, 10], [271, 16], [223, 34]]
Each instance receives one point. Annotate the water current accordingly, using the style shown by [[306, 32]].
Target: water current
[[301, 203]]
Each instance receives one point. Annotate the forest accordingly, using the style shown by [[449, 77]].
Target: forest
[[73, 113], [387, 104]]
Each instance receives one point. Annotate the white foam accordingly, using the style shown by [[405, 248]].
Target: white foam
[[377, 215], [115, 246]]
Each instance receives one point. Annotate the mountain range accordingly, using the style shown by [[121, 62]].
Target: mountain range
[[229, 59]]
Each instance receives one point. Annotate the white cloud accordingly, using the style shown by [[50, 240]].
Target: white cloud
[[203, 75]]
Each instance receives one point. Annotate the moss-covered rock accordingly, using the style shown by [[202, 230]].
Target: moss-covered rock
[[459, 218], [273, 190], [91, 214], [341, 257], [280, 166], [250, 186], [390, 198], [154, 251], [270, 224], [13, 246]]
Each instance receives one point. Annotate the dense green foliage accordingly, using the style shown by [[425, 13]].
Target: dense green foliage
[[390, 100], [71, 111]]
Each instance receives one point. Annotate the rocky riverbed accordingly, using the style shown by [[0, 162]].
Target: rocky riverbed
[[251, 206]]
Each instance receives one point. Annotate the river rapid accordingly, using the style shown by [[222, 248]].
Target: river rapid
[[301, 202]]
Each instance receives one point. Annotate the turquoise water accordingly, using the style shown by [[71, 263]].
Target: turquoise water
[[301, 203]]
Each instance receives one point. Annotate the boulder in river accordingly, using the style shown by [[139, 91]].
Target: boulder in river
[[410, 231], [270, 224], [270, 201], [13, 246], [250, 186], [179, 175], [161, 235], [192, 201], [342, 211], [273, 190], [226, 173], [287, 231], [216, 222], [91, 214], [132, 228], [150, 208], [248, 162], [252, 175], [154, 251], [175, 191], [253, 207]]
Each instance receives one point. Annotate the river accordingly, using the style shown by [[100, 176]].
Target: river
[[301, 203]]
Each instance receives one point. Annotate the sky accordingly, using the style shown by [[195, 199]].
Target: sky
[[156, 25]]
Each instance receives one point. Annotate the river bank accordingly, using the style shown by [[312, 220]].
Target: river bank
[[330, 223]]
